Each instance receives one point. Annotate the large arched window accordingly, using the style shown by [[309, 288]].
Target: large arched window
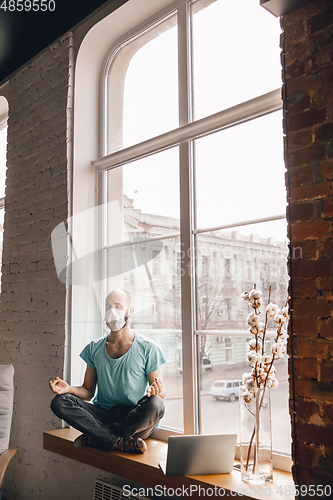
[[191, 195], [193, 180]]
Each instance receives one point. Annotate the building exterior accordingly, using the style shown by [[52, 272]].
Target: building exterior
[[228, 264]]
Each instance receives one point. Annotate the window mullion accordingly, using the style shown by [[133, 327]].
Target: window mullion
[[188, 348], [102, 195], [183, 65], [224, 119], [102, 232]]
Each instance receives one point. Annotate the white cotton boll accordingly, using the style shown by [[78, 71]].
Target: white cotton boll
[[252, 357], [252, 345], [250, 384], [281, 343], [275, 383], [277, 348], [252, 319], [246, 376], [254, 330], [248, 397], [255, 294], [285, 311], [245, 296], [261, 326], [283, 334], [272, 310], [278, 318], [255, 299], [260, 371], [267, 360]]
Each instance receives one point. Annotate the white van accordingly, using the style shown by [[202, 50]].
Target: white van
[[225, 389]]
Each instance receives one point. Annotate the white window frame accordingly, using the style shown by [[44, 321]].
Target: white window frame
[[181, 137]]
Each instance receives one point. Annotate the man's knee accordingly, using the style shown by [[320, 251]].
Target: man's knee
[[57, 404], [156, 404]]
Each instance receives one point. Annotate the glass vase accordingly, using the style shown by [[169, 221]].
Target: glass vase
[[256, 438]]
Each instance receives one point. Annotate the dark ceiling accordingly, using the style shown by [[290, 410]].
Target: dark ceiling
[[24, 34]]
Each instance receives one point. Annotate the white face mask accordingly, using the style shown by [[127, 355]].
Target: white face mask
[[115, 319]]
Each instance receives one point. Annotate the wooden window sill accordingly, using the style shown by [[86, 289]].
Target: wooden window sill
[[144, 469]]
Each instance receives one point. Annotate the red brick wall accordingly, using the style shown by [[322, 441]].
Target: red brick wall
[[307, 56]]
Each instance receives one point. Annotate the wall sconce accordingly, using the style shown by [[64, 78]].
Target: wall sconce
[[282, 7]]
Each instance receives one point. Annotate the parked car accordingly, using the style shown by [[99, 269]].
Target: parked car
[[225, 389]]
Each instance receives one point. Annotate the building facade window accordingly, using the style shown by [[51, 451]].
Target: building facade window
[[191, 179]]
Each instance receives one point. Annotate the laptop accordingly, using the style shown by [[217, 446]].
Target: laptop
[[199, 454]]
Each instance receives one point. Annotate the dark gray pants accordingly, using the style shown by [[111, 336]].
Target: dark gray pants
[[105, 426]]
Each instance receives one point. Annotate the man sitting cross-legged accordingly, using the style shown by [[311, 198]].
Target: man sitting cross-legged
[[126, 368]]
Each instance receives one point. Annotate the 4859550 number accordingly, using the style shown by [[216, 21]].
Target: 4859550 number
[[27, 5]]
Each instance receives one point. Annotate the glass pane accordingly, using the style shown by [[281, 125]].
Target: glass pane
[[142, 88], [142, 211], [3, 150], [236, 54], [155, 287], [219, 409], [170, 343], [239, 173], [230, 262], [143, 198]]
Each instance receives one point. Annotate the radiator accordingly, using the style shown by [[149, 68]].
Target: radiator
[[107, 491]]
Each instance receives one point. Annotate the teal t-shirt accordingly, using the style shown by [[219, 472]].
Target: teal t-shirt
[[123, 380]]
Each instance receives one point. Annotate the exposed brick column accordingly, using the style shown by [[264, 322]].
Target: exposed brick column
[[307, 56], [33, 301]]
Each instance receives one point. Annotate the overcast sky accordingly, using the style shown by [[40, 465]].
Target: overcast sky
[[239, 172]]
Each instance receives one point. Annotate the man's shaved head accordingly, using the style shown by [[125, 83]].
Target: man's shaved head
[[122, 295]]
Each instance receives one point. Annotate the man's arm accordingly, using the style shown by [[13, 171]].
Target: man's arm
[[85, 391], [156, 387]]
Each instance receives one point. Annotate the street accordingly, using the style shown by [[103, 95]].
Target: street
[[223, 416]]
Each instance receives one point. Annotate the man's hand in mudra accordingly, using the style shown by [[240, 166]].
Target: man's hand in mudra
[[156, 388], [59, 386]]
